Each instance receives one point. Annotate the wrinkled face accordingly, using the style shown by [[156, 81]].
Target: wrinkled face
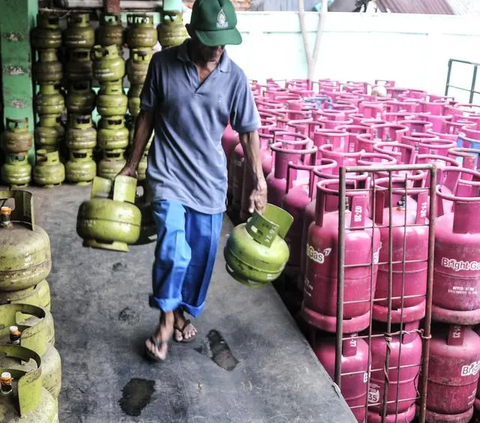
[[205, 53]]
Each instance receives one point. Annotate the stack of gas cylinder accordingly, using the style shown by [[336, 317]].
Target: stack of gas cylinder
[[30, 379], [171, 31], [49, 102], [81, 135], [308, 131]]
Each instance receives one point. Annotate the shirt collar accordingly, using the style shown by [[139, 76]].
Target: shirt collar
[[182, 54]]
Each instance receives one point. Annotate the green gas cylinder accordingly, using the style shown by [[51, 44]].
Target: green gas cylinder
[[17, 137], [38, 295], [49, 133], [108, 66], [48, 69], [80, 98], [111, 100], [47, 34], [78, 33], [79, 65], [49, 100], [142, 168], [110, 219], [143, 200], [134, 99], [22, 397], [49, 171], [81, 134], [26, 325], [16, 171], [141, 32], [137, 66], [25, 258], [256, 252], [112, 133], [112, 163], [81, 168], [171, 31], [110, 31]]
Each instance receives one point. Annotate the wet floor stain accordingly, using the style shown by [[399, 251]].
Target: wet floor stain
[[218, 350], [129, 316], [137, 394]]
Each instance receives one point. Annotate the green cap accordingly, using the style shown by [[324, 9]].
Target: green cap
[[214, 22]]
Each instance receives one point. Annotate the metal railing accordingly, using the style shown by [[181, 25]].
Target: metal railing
[[473, 85]]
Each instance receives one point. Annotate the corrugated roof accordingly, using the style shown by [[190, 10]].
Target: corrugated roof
[[438, 7]]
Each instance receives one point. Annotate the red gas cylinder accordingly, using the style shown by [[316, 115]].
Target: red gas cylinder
[[265, 141], [456, 283], [376, 159], [350, 98], [398, 116], [319, 307], [403, 106], [441, 162], [230, 140], [388, 132], [370, 109], [433, 107], [320, 174], [355, 358], [454, 128], [348, 109], [337, 139], [405, 358], [294, 202], [299, 151], [327, 151], [329, 114], [352, 131], [415, 138], [404, 154], [409, 251], [453, 374], [436, 146], [416, 125], [304, 126], [438, 121], [332, 124], [445, 136]]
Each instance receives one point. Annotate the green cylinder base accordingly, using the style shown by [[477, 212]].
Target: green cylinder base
[[114, 246]]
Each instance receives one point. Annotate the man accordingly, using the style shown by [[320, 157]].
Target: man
[[191, 92]]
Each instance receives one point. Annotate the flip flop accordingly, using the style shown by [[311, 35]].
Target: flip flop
[[181, 330], [157, 345]]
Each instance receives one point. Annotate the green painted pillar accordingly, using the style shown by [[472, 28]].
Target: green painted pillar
[[17, 18]]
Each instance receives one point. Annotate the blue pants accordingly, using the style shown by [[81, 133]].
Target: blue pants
[[184, 256]]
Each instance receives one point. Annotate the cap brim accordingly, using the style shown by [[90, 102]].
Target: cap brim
[[219, 38]]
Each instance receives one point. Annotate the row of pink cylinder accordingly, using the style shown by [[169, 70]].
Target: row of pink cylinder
[[307, 134]]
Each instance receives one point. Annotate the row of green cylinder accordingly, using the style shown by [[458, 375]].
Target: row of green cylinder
[[27, 332]]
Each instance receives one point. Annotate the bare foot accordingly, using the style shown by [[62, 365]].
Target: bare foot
[[157, 345], [184, 330]]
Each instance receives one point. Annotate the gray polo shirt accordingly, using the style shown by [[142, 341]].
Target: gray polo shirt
[[186, 162]]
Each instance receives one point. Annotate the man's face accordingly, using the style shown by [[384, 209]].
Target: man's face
[[207, 54]]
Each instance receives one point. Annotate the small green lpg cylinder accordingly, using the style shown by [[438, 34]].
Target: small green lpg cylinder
[[171, 31], [78, 33], [26, 325], [49, 171], [81, 134], [79, 65], [112, 163], [141, 32], [48, 69], [80, 98], [256, 252], [110, 31], [47, 34], [23, 399], [112, 133], [81, 168], [17, 137], [111, 100], [49, 133], [142, 168], [25, 258], [37, 295], [110, 219], [108, 66], [49, 101], [137, 66], [134, 99], [143, 200], [16, 171]]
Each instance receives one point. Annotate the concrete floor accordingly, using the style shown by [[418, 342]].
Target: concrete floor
[[102, 318]]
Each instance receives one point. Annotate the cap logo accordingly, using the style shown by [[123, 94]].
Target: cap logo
[[222, 20]]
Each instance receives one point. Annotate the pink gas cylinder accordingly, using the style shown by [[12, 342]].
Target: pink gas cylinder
[[357, 86], [405, 358], [469, 137], [230, 139], [365, 143], [265, 141], [433, 107], [352, 131], [417, 94], [348, 98], [455, 128], [388, 132], [370, 109], [376, 159], [467, 157], [332, 124], [445, 136], [299, 152], [332, 92], [414, 139], [456, 283], [438, 121], [304, 126], [453, 374], [327, 151], [372, 121], [398, 116], [416, 125], [468, 117], [405, 154], [355, 359], [440, 161], [395, 92], [477, 401], [444, 98], [362, 244], [329, 114], [403, 106], [348, 109], [409, 251], [436, 146], [265, 104], [337, 139], [294, 202]]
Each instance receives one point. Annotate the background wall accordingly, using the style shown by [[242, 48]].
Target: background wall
[[412, 49]]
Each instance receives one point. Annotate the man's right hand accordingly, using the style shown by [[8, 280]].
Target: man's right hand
[[129, 171]]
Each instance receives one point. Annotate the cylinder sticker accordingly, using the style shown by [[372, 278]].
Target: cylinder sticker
[[471, 370], [462, 290], [460, 265], [307, 288], [317, 256], [374, 394]]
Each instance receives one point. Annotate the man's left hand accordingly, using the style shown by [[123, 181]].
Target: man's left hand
[[258, 198]]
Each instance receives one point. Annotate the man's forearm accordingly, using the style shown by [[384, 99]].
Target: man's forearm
[[251, 147], [143, 132]]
